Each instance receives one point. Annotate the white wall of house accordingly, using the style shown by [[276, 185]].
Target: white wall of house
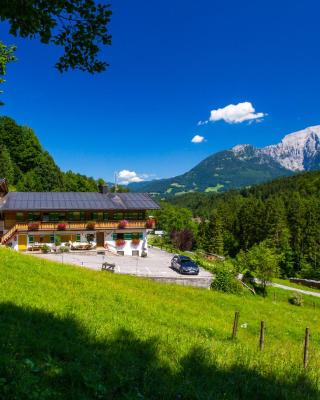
[[110, 243], [128, 248]]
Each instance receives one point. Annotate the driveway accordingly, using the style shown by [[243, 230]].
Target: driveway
[[155, 266]]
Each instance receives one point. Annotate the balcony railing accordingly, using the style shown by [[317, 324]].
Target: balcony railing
[[68, 226]]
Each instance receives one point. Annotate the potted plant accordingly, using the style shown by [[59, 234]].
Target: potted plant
[[135, 241], [61, 227], [122, 224], [91, 225], [120, 242], [33, 226], [150, 223]]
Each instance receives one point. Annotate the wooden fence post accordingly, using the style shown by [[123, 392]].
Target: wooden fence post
[[262, 332], [235, 325], [306, 348]]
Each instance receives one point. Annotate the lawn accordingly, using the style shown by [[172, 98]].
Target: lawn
[[71, 333]]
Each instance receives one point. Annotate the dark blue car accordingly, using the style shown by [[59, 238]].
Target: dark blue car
[[184, 265]]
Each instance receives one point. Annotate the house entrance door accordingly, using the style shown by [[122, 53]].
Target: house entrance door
[[100, 239]]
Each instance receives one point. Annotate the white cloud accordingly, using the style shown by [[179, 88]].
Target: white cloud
[[197, 139], [236, 113], [200, 123], [125, 176]]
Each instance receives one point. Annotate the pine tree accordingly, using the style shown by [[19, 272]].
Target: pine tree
[[278, 233], [215, 233]]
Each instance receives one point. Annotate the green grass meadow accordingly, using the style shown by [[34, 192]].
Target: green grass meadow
[[71, 333]]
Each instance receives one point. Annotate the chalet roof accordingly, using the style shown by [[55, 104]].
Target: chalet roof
[[49, 201]]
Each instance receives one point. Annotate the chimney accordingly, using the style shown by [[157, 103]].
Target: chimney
[[103, 189]]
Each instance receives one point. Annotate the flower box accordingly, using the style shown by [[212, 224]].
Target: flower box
[[135, 242], [91, 225], [122, 224], [33, 226], [120, 242], [61, 227], [150, 223]]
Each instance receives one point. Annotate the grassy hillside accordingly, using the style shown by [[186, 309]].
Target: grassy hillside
[[71, 333]]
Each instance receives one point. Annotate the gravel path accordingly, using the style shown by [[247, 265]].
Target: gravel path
[[278, 285]]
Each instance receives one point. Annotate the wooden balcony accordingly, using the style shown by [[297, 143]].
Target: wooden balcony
[[68, 226]]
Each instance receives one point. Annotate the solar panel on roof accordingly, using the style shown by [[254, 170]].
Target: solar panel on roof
[[74, 201]]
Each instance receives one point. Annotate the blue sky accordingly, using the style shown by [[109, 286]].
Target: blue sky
[[172, 62]]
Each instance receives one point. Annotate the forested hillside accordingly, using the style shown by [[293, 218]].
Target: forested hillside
[[284, 213], [28, 167]]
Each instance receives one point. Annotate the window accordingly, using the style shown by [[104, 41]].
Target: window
[[134, 216], [31, 239], [78, 237], [45, 217], [137, 235], [19, 216], [34, 216], [118, 216], [53, 217], [97, 216], [51, 238], [106, 216], [75, 216], [116, 236], [62, 217]]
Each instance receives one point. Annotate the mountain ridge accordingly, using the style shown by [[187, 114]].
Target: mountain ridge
[[243, 165]]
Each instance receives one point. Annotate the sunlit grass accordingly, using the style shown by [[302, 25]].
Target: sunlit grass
[[71, 333]]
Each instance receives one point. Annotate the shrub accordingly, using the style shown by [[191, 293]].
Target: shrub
[[61, 227], [57, 240], [64, 249], [33, 226], [122, 224], [183, 240], [45, 249], [91, 225], [225, 281], [296, 299], [120, 242], [90, 237]]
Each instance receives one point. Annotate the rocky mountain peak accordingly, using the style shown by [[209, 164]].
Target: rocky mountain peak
[[297, 150]]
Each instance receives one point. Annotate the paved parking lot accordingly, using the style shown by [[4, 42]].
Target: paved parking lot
[[156, 265]]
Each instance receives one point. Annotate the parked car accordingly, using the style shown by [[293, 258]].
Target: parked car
[[184, 265]]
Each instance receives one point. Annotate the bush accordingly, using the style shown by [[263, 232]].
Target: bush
[[64, 249], [45, 249], [182, 240], [225, 281], [296, 299]]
